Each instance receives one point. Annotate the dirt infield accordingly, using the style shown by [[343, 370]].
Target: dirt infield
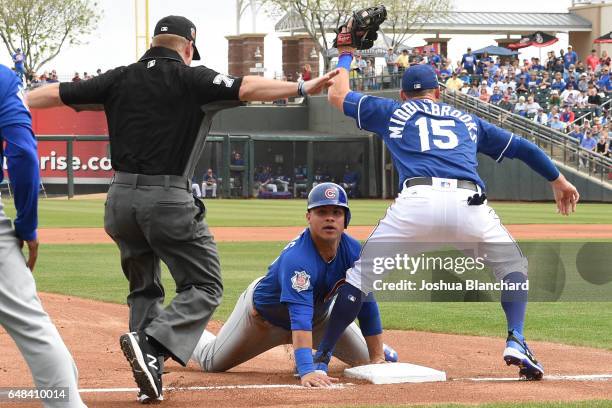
[[242, 234], [91, 331], [94, 343]]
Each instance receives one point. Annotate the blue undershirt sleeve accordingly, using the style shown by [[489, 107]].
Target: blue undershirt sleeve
[[22, 161]]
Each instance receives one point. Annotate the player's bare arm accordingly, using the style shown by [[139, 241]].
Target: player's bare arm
[[375, 349], [303, 339], [256, 88], [44, 97], [566, 195]]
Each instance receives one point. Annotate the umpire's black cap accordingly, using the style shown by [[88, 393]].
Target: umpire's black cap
[[178, 25]]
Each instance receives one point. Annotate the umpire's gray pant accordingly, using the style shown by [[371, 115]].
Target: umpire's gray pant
[[153, 223], [246, 335], [23, 318]]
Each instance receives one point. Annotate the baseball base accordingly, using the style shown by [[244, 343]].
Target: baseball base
[[395, 373]]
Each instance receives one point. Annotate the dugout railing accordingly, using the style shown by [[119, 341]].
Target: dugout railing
[[561, 147]]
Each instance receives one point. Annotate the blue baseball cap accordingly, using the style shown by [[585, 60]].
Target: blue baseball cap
[[419, 77]]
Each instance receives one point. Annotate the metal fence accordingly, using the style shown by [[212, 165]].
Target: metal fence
[[558, 145]]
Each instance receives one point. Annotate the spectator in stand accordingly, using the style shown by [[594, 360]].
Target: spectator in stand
[[465, 77], [513, 95], [19, 61], [209, 183], [532, 107], [391, 61], [603, 145], [446, 70], [468, 61], [434, 58], [541, 117], [605, 82], [582, 101], [558, 66], [76, 77], [484, 96], [588, 143], [556, 124], [536, 64], [465, 88], [569, 92], [583, 83], [521, 107], [558, 84], [576, 134], [569, 73], [403, 62], [98, 72], [580, 67], [306, 72], [454, 83], [605, 59], [570, 57], [568, 115], [505, 103], [473, 91], [594, 100], [555, 99], [592, 60], [550, 62], [522, 89], [533, 80], [496, 96], [237, 159]]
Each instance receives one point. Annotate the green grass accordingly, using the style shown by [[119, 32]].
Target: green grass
[[575, 404], [246, 213], [94, 272]]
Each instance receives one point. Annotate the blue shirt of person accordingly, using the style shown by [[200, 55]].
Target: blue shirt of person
[[588, 143], [20, 153], [300, 285]]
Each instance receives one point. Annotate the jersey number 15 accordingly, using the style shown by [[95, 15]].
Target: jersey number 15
[[441, 138]]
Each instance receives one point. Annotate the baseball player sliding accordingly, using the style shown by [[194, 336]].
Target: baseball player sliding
[[290, 305], [442, 197]]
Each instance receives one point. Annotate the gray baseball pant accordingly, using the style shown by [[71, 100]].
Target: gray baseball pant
[[246, 335], [23, 318], [150, 224]]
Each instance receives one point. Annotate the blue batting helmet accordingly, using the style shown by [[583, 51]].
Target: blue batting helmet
[[330, 194]]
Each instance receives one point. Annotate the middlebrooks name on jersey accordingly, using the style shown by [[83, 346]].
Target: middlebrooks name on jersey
[[299, 276], [429, 139]]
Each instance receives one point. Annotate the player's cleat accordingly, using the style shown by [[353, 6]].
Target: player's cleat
[[390, 354], [145, 399], [146, 365], [517, 353]]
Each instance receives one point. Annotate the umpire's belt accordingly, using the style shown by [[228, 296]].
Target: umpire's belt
[[428, 181], [160, 180]]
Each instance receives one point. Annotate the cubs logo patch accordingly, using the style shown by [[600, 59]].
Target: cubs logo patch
[[300, 281], [330, 193]]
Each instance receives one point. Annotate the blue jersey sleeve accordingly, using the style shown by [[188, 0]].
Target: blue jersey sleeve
[[297, 288], [370, 112], [494, 141]]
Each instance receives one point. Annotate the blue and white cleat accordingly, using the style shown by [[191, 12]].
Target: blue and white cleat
[[517, 353]]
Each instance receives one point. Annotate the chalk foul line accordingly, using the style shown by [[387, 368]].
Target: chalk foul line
[[215, 387]]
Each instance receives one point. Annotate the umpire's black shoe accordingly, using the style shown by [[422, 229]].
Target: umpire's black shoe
[[146, 365]]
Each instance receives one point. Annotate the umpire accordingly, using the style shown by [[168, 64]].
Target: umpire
[[157, 126]]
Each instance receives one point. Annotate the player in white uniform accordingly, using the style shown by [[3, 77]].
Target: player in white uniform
[[442, 198]]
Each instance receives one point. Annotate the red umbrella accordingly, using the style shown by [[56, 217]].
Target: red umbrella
[[606, 38], [537, 39]]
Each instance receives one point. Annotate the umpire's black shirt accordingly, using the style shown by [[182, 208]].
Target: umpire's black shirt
[[153, 109]]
